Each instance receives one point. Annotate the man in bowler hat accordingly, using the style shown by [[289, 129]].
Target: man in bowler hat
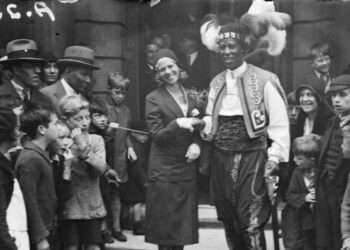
[[22, 81], [77, 66]]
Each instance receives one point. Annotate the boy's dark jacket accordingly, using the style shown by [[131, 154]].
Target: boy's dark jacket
[[330, 187], [296, 199], [6, 190], [36, 178]]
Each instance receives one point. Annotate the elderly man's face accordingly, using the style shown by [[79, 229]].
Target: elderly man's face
[[341, 101], [232, 52], [79, 78], [27, 73]]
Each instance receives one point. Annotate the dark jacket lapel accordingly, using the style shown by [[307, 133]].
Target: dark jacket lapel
[[59, 92], [33, 147], [169, 102], [6, 165]]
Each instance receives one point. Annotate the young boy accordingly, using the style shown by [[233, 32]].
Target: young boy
[[321, 58], [8, 122], [135, 191], [340, 95], [122, 146], [334, 168], [299, 233], [84, 211], [36, 178], [100, 126]]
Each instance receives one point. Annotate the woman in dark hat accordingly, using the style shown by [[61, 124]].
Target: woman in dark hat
[[314, 113], [313, 118], [171, 200]]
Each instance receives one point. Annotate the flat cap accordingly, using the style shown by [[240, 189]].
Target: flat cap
[[339, 83]]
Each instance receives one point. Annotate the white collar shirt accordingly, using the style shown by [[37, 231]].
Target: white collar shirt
[[192, 57], [67, 88], [19, 89], [231, 103]]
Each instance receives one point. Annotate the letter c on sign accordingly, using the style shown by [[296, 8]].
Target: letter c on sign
[[11, 10]]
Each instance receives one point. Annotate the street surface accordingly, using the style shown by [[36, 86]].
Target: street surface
[[211, 235]]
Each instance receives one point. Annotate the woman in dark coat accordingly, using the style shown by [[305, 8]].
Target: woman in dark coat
[[171, 199], [315, 113]]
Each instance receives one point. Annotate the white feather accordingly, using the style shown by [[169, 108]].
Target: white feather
[[209, 34], [276, 40], [260, 6]]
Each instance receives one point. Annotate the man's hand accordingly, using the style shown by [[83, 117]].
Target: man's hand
[[206, 131], [270, 168], [132, 156], [112, 177], [43, 245], [346, 244], [188, 123], [310, 197], [193, 152]]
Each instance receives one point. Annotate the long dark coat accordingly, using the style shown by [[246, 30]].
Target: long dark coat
[[171, 193], [36, 98], [330, 188], [6, 189], [36, 178]]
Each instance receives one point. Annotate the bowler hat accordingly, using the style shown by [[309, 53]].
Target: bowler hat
[[78, 55], [21, 50], [339, 83]]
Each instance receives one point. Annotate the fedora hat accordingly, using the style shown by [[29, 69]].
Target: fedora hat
[[21, 50], [78, 55]]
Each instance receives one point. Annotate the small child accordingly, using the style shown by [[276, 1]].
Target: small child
[[122, 146], [135, 189], [62, 157], [36, 178], [100, 126], [84, 212], [301, 195]]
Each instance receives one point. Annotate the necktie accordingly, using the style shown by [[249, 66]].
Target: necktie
[[26, 96]]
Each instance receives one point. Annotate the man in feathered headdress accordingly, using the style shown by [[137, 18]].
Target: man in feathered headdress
[[247, 123]]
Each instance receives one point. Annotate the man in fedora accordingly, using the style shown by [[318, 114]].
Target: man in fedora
[[77, 65], [22, 78]]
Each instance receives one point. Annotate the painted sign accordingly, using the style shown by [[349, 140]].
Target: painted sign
[[40, 8]]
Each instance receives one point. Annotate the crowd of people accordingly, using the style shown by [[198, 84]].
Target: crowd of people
[[76, 169]]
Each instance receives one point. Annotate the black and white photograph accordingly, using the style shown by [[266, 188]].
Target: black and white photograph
[[174, 125]]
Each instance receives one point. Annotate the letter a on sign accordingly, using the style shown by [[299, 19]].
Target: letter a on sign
[[154, 3]]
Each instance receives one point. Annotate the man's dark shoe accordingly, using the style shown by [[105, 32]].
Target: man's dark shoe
[[139, 228], [107, 237], [119, 236]]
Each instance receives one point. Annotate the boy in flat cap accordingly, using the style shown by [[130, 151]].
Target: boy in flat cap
[[333, 169]]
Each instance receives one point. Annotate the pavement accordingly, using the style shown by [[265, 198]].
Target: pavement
[[211, 235]]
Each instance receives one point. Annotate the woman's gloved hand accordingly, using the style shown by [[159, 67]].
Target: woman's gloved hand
[[193, 152], [188, 123], [206, 131]]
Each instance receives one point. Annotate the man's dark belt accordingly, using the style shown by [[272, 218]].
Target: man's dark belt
[[232, 136]]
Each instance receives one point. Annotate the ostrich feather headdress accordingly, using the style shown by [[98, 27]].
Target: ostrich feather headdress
[[261, 28]]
